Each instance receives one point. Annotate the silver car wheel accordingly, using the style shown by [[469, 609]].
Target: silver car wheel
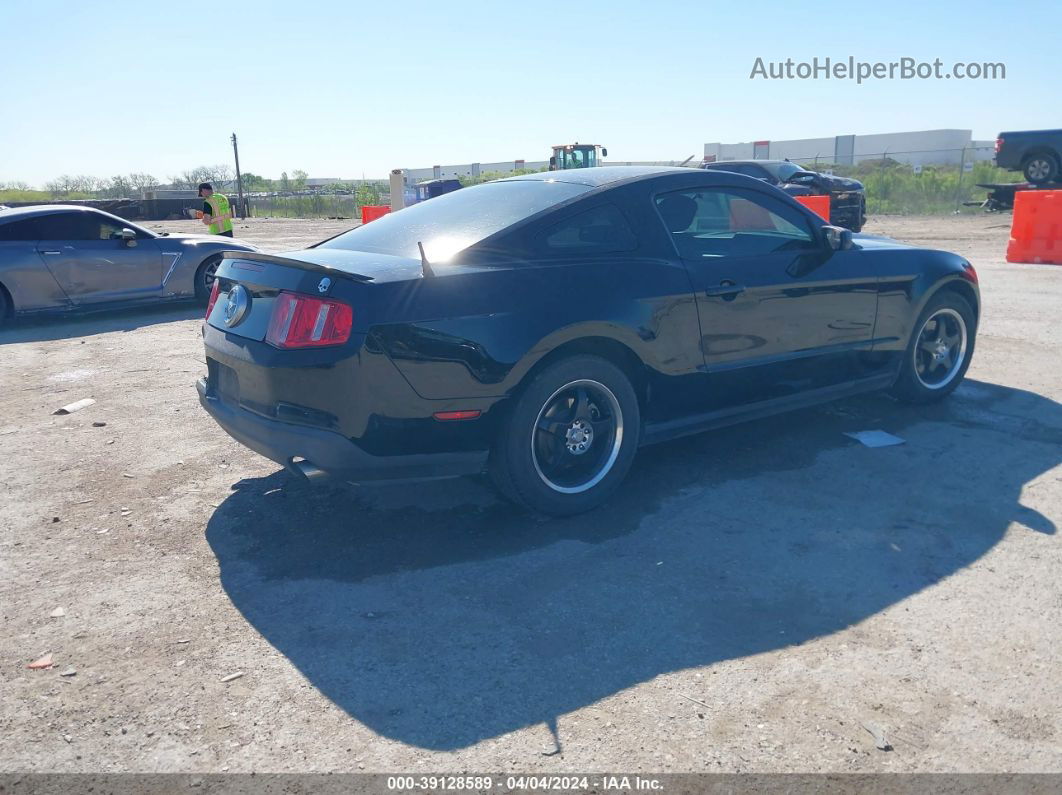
[[210, 271], [940, 348], [1039, 169], [577, 436]]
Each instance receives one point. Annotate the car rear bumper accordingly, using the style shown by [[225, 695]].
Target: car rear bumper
[[307, 451]]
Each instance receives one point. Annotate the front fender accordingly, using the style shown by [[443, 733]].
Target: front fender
[[967, 287], [908, 281], [181, 260]]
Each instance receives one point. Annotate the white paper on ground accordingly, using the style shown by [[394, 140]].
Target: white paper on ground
[[875, 438], [70, 408]]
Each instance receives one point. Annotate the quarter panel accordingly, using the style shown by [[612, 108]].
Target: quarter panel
[[643, 304]]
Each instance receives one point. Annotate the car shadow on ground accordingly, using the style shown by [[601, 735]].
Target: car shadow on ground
[[439, 616], [58, 327]]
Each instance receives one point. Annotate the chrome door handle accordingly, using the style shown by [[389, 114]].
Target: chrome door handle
[[51, 252], [726, 289]]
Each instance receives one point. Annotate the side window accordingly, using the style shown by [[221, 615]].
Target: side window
[[79, 226], [709, 223], [27, 229], [749, 170], [600, 230], [65, 226], [104, 228]]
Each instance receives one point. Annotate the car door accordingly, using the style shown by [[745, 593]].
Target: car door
[[30, 284], [85, 254], [780, 313]]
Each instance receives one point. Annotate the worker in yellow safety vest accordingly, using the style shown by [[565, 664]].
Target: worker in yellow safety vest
[[217, 215]]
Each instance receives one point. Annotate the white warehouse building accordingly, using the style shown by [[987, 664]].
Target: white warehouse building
[[921, 148], [415, 175], [926, 147]]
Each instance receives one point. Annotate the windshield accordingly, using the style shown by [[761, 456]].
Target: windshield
[[454, 221], [786, 170]]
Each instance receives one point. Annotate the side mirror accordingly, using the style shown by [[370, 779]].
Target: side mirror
[[836, 238], [802, 178], [127, 236], [604, 152]]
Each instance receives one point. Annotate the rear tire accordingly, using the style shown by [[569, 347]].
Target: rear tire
[[939, 351], [5, 307], [1040, 169], [570, 438], [204, 278]]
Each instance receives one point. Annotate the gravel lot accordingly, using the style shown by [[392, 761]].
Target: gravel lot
[[755, 598]]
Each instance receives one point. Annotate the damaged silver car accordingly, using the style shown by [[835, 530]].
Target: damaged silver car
[[63, 258]]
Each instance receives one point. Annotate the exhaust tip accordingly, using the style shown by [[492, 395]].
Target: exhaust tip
[[306, 469]]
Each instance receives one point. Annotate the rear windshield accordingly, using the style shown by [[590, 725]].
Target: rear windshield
[[454, 221]]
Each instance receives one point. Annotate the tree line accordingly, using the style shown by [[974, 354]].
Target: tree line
[[123, 186]]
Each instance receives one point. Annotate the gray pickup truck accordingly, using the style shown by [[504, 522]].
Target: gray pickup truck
[[1036, 153]]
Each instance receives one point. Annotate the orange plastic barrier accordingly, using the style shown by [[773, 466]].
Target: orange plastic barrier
[[370, 212], [1036, 231], [820, 205]]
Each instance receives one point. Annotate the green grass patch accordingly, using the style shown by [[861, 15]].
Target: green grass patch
[[38, 196], [895, 189]]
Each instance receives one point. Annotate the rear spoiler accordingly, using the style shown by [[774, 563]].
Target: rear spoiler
[[256, 256]]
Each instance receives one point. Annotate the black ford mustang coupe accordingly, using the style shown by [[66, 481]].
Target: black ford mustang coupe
[[543, 327]]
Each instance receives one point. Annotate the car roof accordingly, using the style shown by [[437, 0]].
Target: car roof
[[11, 213], [597, 176], [747, 162]]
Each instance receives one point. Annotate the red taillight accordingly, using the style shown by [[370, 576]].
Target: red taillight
[[213, 296], [999, 145], [302, 321], [464, 414]]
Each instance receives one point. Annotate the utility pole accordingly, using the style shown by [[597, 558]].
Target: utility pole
[[239, 180], [958, 188]]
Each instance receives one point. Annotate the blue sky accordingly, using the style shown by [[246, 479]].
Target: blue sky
[[346, 88]]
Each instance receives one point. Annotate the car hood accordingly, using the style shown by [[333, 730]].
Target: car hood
[[191, 238], [878, 241], [840, 183]]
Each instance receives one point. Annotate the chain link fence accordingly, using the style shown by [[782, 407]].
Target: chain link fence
[[919, 182], [322, 205], [342, 200], [916, 182]]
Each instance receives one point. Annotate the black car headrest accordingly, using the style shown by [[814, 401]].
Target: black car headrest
[[678, 212]]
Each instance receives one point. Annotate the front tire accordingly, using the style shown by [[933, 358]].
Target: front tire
[[204, 278], [1040, 169], [939, 351], [570, 438]]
